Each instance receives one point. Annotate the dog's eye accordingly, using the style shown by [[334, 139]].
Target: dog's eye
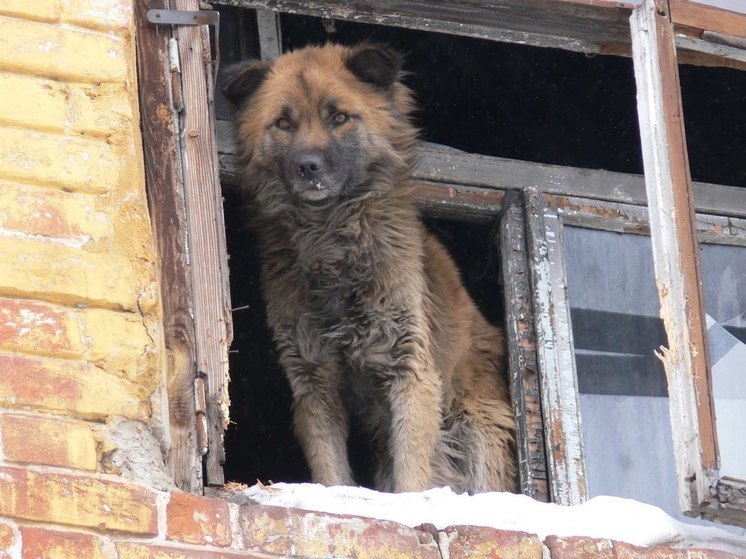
[[283, 124], [338, 119]]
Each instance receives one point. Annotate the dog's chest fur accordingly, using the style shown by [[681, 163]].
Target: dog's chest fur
[[351, 300]]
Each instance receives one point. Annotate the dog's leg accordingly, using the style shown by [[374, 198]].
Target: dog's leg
[[321, 424], [414, 397]]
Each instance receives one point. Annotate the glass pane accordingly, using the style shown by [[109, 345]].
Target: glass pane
[[716, 144], [623, 390], [724, 284]]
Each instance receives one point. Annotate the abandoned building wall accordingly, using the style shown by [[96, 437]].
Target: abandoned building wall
[[82, 434]]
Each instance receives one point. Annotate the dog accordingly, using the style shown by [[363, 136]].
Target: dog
[[369, 316]]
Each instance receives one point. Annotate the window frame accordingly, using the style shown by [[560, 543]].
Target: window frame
[[705, 35]]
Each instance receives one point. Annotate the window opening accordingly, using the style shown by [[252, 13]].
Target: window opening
[[538, 113]]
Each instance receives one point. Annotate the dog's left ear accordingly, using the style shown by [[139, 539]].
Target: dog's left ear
[[378, 65]]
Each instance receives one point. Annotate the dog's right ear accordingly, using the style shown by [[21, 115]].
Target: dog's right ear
[[242, 80]]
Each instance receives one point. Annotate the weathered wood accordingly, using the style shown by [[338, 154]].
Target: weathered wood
[[675, 252], [710, 18], [555, 354], [572, 25], [440, 164], [521, 341], [731, 497], [711, 51], [270, 35], [168, 218], [206, 234]]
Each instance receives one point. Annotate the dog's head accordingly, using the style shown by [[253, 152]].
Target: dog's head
[[323, 121]]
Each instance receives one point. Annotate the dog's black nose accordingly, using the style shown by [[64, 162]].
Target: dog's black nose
[[310, 165]]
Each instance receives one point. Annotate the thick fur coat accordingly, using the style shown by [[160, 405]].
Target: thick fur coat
[[367, 310]]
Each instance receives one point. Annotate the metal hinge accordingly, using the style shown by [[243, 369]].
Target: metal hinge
[[200, 409], [200, 17]]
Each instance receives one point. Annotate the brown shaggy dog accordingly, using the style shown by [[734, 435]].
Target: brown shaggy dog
[[367, 309]]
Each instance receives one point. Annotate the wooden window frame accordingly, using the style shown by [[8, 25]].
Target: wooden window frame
[[702, 489], [175, 75], [468, 186]]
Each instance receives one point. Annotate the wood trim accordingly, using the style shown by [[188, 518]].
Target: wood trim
[[708, 18], [168, 217], [555, 354], [675, 252], [523, 371], [206, 233], [575, 25], [461, 171]]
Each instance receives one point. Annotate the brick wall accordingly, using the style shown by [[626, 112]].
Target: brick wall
[[81, 351]]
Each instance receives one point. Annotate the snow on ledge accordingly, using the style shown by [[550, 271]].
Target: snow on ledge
[[601, 517]]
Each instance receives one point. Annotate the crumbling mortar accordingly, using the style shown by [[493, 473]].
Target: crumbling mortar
[[237, 537], [443, 544], [161, 505], [131, 451]]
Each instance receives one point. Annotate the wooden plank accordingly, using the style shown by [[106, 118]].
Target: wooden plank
[[572, 25], [440, 164], [521, 340], [206, 234], [710, 18], [270, 35], [555, 352], [168, 217], [675, 252]]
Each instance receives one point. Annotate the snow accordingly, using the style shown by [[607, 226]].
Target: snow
[[601, 517]]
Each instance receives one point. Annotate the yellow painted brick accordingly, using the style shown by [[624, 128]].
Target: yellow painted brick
[[73, 388], [67, 162], [77, 500], [103, 109], [55, 214], [43, 10], [65, 274], [34, 101], [60, 544], [117, 342], [48, 441], [61, 52], [98, 14], [100, 109]]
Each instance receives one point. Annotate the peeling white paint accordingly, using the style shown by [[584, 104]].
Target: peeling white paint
[[47, 46], [79, 241]]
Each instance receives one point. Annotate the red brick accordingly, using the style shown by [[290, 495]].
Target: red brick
[[465, 542], [43, 327], [7, 539], [579, 548], [629, 551], [57, 544], [49, 441], [85, 501], [71, 387], [146, 551], [198, 520], [292, 532]]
